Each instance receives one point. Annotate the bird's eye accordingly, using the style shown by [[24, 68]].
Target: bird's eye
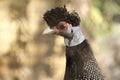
[[62, 27]]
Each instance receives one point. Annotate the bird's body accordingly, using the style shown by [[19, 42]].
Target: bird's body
[[81, 64], [80, 61]]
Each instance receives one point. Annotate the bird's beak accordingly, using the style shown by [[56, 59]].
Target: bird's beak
[[48, 31]]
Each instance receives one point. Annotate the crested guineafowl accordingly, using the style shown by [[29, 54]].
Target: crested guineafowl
[[80, 61]]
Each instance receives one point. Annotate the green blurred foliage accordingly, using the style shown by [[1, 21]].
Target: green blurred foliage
[[100, 20]]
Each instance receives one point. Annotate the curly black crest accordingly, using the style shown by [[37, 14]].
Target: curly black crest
[[55, 15]]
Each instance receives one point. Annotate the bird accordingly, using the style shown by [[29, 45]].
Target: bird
[[81, 63]]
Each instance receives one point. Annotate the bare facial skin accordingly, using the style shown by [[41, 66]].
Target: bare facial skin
[[61, 27]]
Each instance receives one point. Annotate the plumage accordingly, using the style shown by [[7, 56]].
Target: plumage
[[80, 61], [81, 64]]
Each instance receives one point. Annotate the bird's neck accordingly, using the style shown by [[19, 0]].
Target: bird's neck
[[77, 38]]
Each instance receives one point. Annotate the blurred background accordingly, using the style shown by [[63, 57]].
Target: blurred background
[[25, 54]]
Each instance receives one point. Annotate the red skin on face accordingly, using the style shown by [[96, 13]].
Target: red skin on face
[[57, 28]]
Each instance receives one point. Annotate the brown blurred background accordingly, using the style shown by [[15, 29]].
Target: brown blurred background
[[25, 54]]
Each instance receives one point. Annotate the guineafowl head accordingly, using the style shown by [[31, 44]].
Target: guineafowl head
[[60, 21]]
